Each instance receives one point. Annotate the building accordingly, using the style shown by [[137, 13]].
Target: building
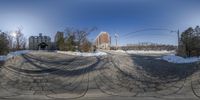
[[40, 42], [197, 31], [103, 41], [58, 36]]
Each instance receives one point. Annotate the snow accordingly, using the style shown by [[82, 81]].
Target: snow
[[17, 53], [119, 51], [178, 59], [98, 53], [148, 52], [3, 58], [144, 51], [13, 54]]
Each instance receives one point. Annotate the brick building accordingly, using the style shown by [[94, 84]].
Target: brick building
[[103, 41]]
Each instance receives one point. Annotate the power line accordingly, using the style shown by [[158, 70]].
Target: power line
[[148, 29]]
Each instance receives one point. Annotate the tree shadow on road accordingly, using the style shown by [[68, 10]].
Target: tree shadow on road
[[1, 63], [57, 71]]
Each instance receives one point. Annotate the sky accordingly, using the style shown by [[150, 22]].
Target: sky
[[134, 20]]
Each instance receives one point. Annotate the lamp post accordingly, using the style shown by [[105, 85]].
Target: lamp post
[[178, 36], [116, 38]]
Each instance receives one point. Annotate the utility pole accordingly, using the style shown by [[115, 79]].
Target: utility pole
[[116, 37], [178, 40], [178, 37]]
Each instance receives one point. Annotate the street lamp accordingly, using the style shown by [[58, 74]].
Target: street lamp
[[178, 35], [116, 37]]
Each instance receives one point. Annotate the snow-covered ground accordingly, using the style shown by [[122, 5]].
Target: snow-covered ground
[[178, 59], [169, 55], [98, 53], [3, 58], [149, 52], [12, 54], [144, 52], [169, 58]]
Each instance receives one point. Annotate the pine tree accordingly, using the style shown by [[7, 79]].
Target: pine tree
[[190, 43], [4, 44]]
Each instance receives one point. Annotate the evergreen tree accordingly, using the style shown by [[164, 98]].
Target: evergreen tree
[[4, 43], [61, 44], [190, 43], [70, 43]]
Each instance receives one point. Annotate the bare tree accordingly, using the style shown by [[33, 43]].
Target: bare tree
[[78, 36], [86, 46], [20, 40]]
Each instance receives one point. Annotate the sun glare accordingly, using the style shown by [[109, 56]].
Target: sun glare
[[14, 34]]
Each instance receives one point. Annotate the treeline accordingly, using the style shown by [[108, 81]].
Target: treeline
[[12, 41], [149, 46], [75, 40], [189, 44]]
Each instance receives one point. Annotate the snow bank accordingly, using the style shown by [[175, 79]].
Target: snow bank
[[148, 52], [12, 54], [120, 51], [3, 58], [17, 53], [83, 54], [144, 52], [177, 59]]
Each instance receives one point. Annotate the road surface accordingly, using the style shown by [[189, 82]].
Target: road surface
[[52, 76]]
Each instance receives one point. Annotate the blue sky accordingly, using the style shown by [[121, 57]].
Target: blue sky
[[113, 16]]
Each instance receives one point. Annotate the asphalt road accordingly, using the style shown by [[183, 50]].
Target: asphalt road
[[51, 76]]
